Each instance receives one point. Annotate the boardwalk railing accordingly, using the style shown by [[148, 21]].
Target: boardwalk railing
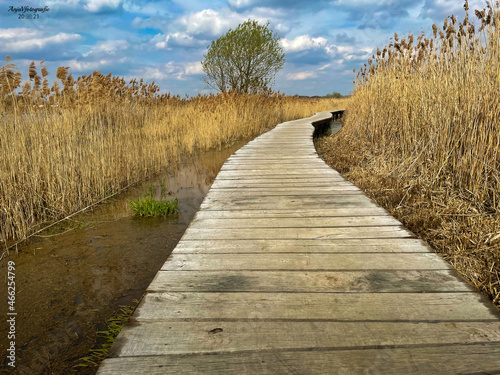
[[288, 268]]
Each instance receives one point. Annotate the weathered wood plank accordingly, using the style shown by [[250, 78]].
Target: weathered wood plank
[[284, 181], [273, 154], [371, 245], [287, 213], [333, 193], [481, 358], [316, 306], [294, 222], [305, 262], [284, 158], [296, 233], [284, 189], [282, 172], [373, 281], [160, 338], [273, 163], [280, 202]]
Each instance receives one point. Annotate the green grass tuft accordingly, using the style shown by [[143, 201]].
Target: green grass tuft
[[150, 207]]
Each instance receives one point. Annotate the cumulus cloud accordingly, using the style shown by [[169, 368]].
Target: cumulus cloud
[[209, 22], [183, 40], [171, 70], [302, 42], [82, 66], [110, 47], [194, 68], [349, 53], [23, 39], [212, 23], [301, 76]]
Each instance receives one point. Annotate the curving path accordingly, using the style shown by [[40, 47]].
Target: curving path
[[290, 269]]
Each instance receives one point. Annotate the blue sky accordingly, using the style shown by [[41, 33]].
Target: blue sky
[[164, 41]]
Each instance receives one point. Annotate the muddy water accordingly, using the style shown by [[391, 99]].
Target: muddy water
[[74, 277]]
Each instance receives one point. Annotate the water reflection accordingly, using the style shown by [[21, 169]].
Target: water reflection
[[68, 284]]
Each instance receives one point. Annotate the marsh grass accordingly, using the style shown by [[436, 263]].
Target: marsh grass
[[67, 146], [422, 137]]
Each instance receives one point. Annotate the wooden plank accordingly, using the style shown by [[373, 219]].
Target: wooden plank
[[272, 163], [284, 158], [296, 233], [285, 191], [296, 222], [273, 154], [305, 262], [373, 281], [483, 358], [304, 188], [160, 338], [252, 193], [280, 202], [283, 172], [316, 306], [284, 181], [299, 213], [378, 245], [275, 167]]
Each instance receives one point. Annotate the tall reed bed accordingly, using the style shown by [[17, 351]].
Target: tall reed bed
[[424, 118], [67, 146]]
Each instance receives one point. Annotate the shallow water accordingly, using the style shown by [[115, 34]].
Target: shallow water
[[69, 280]]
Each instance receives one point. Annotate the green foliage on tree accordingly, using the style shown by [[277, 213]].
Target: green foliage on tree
[[335, 95], [245, 59]]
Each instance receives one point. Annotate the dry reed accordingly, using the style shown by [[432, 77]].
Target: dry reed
[[66, 146], [423, 125]]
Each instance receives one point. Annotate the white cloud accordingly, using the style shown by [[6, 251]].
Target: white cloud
[[176, 39], [301, 76], [208, 21], [22, 39], [302, 42], [282, 28], [194, 68], [81, 66], [171, 70], [110, 47], [95, 6], [17, 33]]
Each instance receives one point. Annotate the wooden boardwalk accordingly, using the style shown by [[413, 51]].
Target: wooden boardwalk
[[289, 269]]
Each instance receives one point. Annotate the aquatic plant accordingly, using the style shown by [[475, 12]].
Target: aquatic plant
[[151, 207], [114, 326]]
